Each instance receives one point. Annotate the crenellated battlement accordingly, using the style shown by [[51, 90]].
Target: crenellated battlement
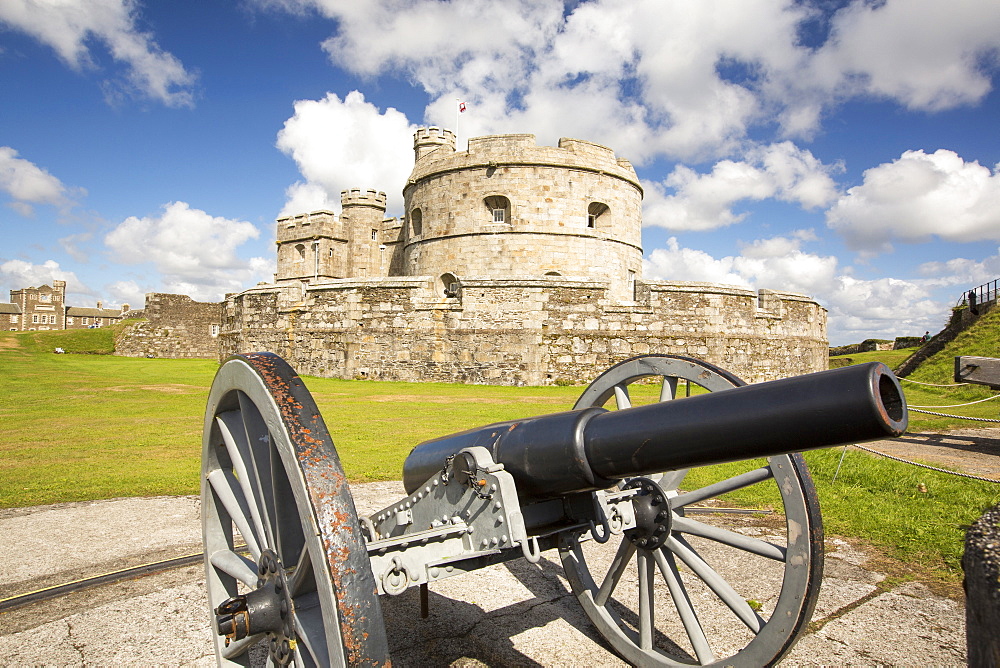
[[359, 197], [428, 140]]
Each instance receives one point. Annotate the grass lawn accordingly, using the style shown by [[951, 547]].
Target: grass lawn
[[91, 426]]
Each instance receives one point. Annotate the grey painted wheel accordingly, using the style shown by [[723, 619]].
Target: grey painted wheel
[[715, 592], [271, 477]]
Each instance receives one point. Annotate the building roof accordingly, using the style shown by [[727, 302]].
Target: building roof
[[10, 308], [82, 312]]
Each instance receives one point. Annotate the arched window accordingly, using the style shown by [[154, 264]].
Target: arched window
[[301, 250], [594, 213], [449, 285], [416, 222], [552, 273], [499, 208]]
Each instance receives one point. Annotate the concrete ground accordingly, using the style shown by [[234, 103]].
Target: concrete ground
[[513, 614]]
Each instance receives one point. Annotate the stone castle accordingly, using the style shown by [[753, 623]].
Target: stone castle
[[513, 264]]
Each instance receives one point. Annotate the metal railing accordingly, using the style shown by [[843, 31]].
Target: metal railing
[[985, 293]]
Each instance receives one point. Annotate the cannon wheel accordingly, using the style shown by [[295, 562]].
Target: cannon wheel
[[624, 603], [270, 472]]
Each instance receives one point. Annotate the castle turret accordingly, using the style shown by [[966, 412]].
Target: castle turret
[[508, 207], [311, 247], [361, 218], [426, 140]]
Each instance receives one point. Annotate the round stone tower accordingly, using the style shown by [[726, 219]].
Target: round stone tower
[[361, 215], [507, 207]]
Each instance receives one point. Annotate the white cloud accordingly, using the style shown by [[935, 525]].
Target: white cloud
[[69, 27], [127, 292], [684, 80], [858, 308], [917, 197], [705, 201], [17, 274], [925, 54], [28, 184], [194, 252], [340, 144]]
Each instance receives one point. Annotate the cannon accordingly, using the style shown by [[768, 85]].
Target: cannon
[[625, 495]]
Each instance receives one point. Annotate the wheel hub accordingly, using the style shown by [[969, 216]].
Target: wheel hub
[[266, 609], [652, 514]]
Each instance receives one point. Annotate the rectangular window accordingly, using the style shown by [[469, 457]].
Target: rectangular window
[[214, 330], [591, 220], [34, 318], [83, 321], [374, 235], [499, 216], [13, 318], [69, 321]]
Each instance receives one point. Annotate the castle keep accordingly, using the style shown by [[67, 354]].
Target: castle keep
[[513, 264]]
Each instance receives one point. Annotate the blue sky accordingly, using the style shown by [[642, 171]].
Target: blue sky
[[843, 149]]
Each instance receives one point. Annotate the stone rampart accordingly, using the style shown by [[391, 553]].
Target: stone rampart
[[522, 330], [176, 327]]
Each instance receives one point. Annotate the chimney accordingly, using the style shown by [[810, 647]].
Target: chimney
[[100, 304], [125, 308]]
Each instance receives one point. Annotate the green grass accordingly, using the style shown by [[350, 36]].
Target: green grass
[[891, 358], [90, 426]]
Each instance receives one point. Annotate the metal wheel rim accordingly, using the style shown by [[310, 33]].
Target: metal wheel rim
[[269, 468], [803, 559]]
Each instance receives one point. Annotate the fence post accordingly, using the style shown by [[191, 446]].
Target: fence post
[[981, 563]]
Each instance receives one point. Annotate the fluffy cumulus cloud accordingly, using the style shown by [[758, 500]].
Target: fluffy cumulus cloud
[[340, 144], [705, 201], [194, 253], [72, 27], [685, 80], [27, 184], [917, 197], [859, 308], [17, 274], [925, 54]]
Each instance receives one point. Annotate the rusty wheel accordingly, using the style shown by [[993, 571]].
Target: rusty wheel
[[707, 588], [301, 591]]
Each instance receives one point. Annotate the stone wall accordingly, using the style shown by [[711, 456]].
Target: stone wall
[[522, 331], [176, 327]]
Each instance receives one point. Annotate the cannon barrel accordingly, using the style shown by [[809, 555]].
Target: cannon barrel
[[592, 448]]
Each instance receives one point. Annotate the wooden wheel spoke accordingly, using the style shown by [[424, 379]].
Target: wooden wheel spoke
[[722, 487], [682, 602], [622, 399], [716, 583], [303, 579], [228, 491], [239, 647], [258, 439], [310, 628], [647, 617], [618, 566], [231, 427], [730, 538], [236, 566]]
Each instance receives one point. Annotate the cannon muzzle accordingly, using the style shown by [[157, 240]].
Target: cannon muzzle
[[589, 449]]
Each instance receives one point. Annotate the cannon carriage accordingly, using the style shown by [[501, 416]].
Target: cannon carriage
[[295, 574]]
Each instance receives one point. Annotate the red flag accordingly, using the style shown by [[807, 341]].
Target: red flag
[[461, 107]]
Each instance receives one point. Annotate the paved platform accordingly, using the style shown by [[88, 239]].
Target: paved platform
[[514, 614]]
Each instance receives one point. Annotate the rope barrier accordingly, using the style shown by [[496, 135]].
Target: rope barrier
[[917, 382], [977, 401], [960, 417], [925, 466]]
